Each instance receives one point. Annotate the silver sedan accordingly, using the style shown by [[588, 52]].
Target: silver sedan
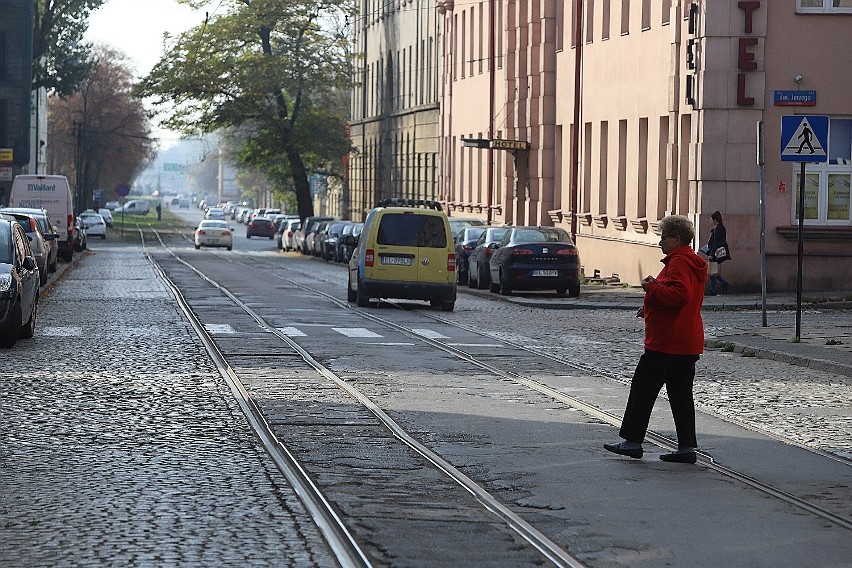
[[214, 233]]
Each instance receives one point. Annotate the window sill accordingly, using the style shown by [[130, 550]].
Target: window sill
[[816, 233]]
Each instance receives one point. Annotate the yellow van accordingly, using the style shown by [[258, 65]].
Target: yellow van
[[405, 251]]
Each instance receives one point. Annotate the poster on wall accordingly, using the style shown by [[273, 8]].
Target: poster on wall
[[811, 195], [838, 196]]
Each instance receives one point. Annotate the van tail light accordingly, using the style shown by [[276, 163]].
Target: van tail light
[[451, 262], [568, 252], [369, 258], [520, 251]]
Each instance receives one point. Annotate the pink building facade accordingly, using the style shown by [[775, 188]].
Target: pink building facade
[[604, 116]]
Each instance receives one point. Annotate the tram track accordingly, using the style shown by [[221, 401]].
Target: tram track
[[578, 404], [574, 402], [332, 527]]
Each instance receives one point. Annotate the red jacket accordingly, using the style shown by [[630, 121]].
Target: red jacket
[[672, 306]]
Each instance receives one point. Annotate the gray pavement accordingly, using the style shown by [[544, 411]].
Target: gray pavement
[[819, 347]]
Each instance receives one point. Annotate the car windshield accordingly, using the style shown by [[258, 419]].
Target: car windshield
[[471, 234], [494, 236], [5, 243], [409, 230]]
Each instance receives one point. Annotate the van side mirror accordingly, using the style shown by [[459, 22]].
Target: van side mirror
[[29, 263]]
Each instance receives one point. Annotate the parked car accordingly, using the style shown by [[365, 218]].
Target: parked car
[[260, 227], [464, 241], [478, 271], [183, 203], [95, 224], [51, 234], [214, 233], [535, 258], [331, 236], [19, 284], [308, 227], [459, 223], [81, 237], [39, 245], [106, 214], [344, 251], [405, 251], [288, 233], [112, 205], [314, 238], [51, 193]]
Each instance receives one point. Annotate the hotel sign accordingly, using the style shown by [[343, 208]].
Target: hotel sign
[[745, 55], [499, 144], [795, 98]]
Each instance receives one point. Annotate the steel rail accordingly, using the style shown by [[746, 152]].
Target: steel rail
[[538, 540], [340, 540]]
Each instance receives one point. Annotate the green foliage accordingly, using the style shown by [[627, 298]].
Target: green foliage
[[61, 60], [276, 70]]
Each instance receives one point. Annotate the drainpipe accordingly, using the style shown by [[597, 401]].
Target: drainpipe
[[491, 87], [575, 133]]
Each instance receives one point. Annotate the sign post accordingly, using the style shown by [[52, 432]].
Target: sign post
[[123, 190], [803, 139]]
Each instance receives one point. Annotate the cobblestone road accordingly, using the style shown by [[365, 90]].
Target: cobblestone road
[[101, 466]]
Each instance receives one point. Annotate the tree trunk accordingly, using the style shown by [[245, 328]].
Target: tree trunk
[[304, 203]]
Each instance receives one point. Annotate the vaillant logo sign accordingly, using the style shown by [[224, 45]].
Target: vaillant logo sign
[[40, 187]]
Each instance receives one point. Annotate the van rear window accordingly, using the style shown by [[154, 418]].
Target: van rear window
[[407, 230]]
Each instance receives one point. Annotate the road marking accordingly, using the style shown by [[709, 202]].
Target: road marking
[[477, 345], [387, 343], [218, 328], [355, 332], [431, 334], [292, 332]]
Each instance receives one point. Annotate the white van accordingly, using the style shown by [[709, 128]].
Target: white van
[[53, 194], [133, 207]]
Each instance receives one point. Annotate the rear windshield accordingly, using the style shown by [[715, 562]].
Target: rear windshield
[[410, 230]]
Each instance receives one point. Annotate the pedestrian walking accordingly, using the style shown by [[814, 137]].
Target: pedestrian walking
[[674, 339], [159, 212], [717, 252]]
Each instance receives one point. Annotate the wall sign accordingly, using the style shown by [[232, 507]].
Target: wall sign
[[745, 57], [794, 98]]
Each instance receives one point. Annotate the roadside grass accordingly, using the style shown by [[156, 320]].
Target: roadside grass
[[127, 228]]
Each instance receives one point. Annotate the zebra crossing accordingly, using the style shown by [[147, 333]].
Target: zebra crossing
[[362, 333]]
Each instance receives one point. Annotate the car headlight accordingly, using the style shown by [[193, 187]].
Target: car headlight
[[5, 282]]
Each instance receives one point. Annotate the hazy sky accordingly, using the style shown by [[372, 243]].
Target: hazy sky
[[136, 27]]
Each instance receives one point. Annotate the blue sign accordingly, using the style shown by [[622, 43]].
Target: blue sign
[[795, 98], [804, 138], [123, 190]]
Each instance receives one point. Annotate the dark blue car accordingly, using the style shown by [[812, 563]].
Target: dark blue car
[[19, 284], [535, 258]]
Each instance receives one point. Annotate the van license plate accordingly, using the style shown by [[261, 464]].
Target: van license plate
[[545, 273], [396, 260]]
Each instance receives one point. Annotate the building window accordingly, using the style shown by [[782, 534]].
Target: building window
[[646, 14], [625, 17], [822, 6], [605, 19], [667, 12], [827, 185], [590, 22]]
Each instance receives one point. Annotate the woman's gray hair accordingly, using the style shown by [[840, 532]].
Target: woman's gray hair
[[678, 225]]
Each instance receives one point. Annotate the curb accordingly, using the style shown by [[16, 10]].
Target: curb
[[773, 355]]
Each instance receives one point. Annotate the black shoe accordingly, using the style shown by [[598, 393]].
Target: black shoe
[[635, 453], [680, 457]]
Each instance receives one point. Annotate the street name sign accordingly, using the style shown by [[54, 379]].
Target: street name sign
[[804, 138]]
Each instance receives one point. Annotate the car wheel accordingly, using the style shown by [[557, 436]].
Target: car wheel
[[505, 288], [494, 287], [42, 277], [52, 266], [28, 329], [229, 248], [361, 299], [10, 334], [248, 235], [561, 290], [270, 238], [350, 293], [103, 237], [448, 306], [197, 247], [471, 283], [574, 291], [483, 280]]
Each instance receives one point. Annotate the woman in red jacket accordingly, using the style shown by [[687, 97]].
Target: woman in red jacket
[[674, 339]]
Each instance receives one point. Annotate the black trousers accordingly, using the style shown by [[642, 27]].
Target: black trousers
[[654, 370]]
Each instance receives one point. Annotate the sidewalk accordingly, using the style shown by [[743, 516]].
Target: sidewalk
[[822, 348]]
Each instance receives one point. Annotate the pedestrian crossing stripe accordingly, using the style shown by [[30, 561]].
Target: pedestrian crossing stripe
[[292, 332], [430, 334], [218, 328], [360, 332]]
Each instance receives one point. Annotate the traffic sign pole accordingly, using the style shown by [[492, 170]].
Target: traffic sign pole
[[803, 139]]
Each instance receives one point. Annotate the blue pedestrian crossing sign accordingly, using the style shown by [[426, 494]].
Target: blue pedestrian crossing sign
[[804, 138]]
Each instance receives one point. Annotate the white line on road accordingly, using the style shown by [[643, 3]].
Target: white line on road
[[355, 332]]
